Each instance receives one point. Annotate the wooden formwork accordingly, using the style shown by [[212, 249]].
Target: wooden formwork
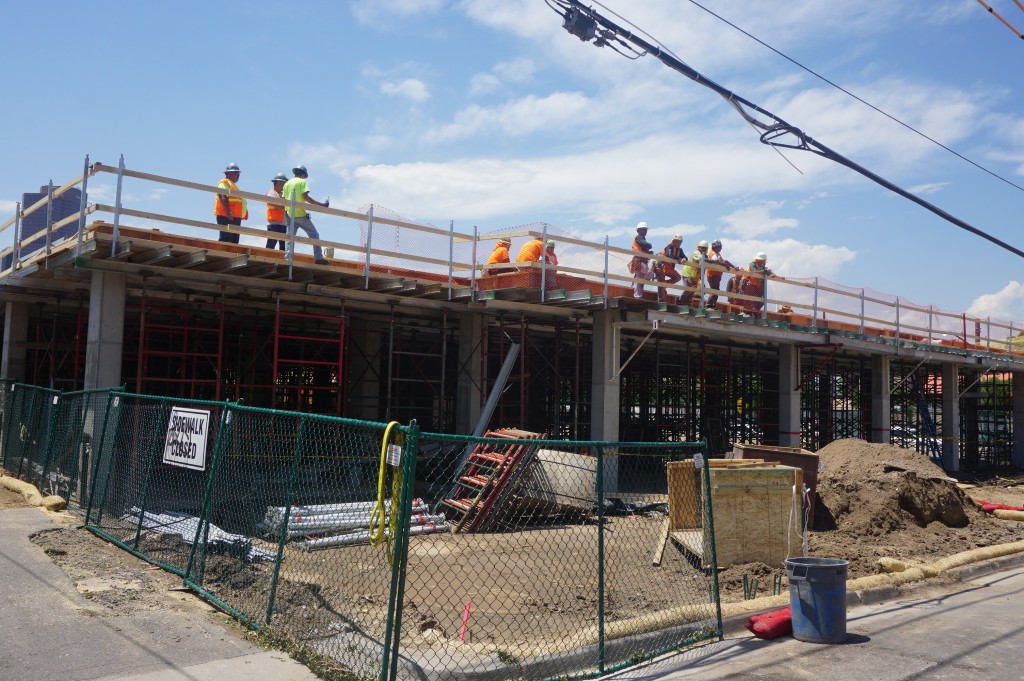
[[756, 507]]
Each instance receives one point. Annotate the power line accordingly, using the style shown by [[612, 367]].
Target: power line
[[859, 99]]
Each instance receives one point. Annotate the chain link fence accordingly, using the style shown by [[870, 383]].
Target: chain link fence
[[396, 553]]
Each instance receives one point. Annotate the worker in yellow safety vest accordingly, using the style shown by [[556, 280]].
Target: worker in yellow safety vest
[[691, 271], [276, 220], [228, 209]]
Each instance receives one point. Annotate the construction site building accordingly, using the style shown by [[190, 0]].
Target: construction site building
[[404, 323]]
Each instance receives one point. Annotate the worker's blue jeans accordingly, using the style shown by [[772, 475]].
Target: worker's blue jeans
[[306, 225]]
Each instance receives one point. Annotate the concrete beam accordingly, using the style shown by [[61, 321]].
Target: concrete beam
[[469, 387], [1017, 453], [15, 336], [606, 390], [105, 339], [789, 395], [881, 399], [950, 427]]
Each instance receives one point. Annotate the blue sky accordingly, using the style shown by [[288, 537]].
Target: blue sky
[[487, 113]]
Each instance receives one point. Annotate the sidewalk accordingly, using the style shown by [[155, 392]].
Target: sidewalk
[[973, 631], [48, 632]]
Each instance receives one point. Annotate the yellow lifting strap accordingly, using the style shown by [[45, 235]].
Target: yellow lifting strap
[[384, 518]]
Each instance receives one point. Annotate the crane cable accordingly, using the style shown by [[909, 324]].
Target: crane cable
[[997, 15], [384, 526]]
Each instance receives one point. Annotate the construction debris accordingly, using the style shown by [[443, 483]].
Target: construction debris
[[186, 526]]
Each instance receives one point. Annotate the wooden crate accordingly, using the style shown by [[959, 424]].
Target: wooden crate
[[806, 461], [756, 515]]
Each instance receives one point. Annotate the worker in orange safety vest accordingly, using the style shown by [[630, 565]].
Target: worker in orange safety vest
[[230, 210], [639, 266], [666, 271], [753, 284], [276, 220], [714, 277], [499, 256], [531, 250]]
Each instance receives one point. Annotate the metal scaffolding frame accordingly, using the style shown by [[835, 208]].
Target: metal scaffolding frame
[[55, 346], [835, 397]]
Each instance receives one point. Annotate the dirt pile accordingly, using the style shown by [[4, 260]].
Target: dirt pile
[[873, 489], [878, 500]]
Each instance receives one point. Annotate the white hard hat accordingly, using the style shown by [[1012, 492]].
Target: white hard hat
[[761, 256], [642, 225]]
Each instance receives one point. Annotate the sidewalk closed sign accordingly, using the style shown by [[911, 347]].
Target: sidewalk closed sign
[[186, 438]]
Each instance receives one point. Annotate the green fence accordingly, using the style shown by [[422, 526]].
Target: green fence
[[48, 437], [396, 553]]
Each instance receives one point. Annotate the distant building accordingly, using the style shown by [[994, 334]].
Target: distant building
[[33, 227]]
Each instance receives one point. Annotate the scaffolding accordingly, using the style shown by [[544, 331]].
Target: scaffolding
[[986, 420], [55, 346], [835, 397]]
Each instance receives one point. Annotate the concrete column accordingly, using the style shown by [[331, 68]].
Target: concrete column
[[15, 337], [1017, 454], [469, 396], [105, 340], [881, 399], [949, 429], [365, 365], [605, 389], [789, 395], [970, 431]]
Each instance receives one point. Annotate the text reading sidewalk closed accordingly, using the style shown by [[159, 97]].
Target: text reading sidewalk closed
[[186, 438]]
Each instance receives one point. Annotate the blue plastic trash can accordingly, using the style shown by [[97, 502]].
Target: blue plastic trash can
[[817, 597]]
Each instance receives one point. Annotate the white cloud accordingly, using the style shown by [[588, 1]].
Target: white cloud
[[412, 89], [757, 220], [928, 188], [7, 207], [516, 71], [483, 83], [377, 12], [1007, 303], [517, 117]]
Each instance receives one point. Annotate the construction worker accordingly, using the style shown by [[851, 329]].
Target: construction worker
[[714, 277], [666, 271], [276, 221], [531, 250], [691, 271], [753, 284], [639, 266], [640, 242], [499, 256], [549, 253], [297, 190], [230, 210]]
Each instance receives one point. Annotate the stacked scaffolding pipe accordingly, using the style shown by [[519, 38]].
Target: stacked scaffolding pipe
[[345, 523], [418, 524]]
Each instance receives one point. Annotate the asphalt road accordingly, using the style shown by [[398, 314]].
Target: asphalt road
[[974, 632]]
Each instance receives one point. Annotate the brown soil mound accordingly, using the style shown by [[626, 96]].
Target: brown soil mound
[[872, 489], [878, 500]]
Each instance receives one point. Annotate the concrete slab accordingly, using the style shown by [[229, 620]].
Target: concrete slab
[[49, 632]]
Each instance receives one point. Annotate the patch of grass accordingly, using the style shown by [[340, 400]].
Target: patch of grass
[[506, 657], [324, 666]]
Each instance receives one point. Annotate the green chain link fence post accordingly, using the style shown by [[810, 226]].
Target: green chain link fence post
[[289, 496], [711, 533], [600, 559], [112, 400], [150, 465], [203, 526], [402, 540]]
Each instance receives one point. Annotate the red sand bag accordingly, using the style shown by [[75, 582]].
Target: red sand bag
[[989, 507], [771, 624]]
